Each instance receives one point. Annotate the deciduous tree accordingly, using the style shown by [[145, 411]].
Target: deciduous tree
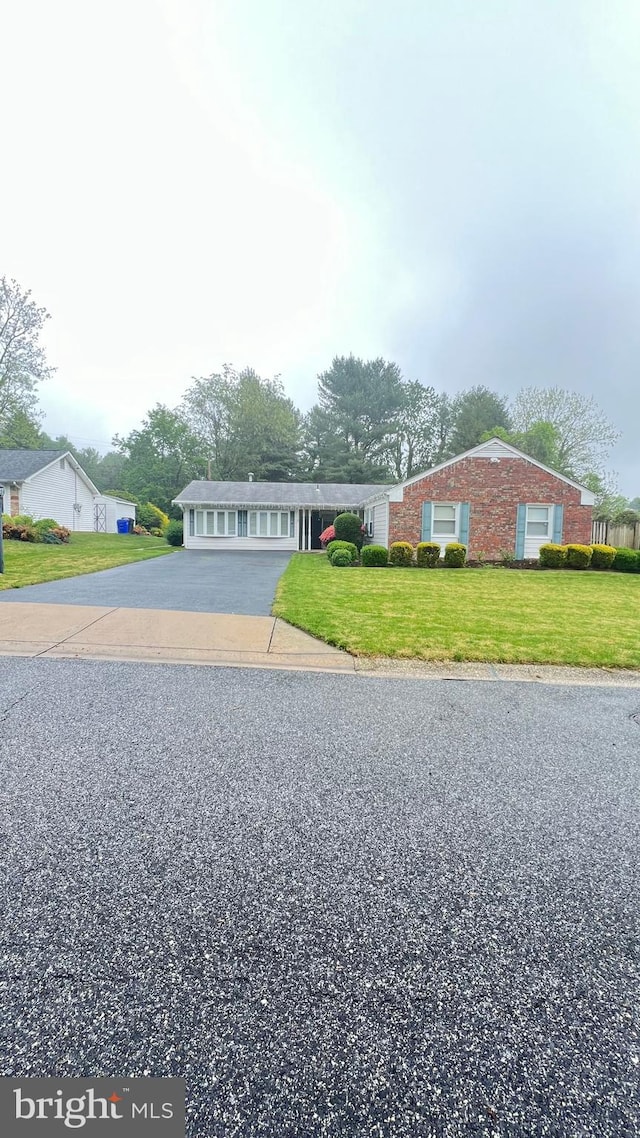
[[584, 434], [23, 362]]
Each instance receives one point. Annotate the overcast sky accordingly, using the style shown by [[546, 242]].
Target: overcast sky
[[452, 184]]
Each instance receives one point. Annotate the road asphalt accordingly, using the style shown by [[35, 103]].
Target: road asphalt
[[336, 904]]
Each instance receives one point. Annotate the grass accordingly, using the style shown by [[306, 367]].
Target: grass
[[586, 619], [29, 564]]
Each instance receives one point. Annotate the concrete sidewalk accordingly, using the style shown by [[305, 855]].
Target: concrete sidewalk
[[162, 636]]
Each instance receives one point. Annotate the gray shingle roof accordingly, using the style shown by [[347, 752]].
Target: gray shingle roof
[[16, 465], [318, 495]]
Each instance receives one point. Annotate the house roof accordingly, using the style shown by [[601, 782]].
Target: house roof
[[21, 465], [317, 495], [16, 465], [494, 448]]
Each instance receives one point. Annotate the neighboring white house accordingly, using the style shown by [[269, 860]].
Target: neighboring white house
[[264, 515], [52, 484]]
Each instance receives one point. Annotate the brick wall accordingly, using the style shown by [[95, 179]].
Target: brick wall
[[494, 491], [14, 501]]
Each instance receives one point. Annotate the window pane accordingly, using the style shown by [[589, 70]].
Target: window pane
[[199, 523], [192, 522], [264, 518], [211, 517], [538, 513], [444, 513], [231, 523], [292, 523], [242, 523], [253, 527], [537, 529], [284, 525], [220, 527], [444, 527], [273, 525]]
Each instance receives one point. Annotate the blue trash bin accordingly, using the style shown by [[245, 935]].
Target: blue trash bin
[[123, 525]]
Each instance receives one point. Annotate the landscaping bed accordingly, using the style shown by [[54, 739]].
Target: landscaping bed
[[588, 618], [27, 563]]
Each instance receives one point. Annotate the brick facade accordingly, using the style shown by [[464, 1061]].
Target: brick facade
[[494, 490], [14, 502]]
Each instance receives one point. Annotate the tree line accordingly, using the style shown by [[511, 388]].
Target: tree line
[[369, 424]]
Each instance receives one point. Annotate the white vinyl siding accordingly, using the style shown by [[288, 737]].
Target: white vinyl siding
[[380, 517], [539, 529], [264, 529], [60, 494]]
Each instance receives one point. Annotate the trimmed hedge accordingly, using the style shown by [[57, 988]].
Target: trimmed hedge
[[578, 556], [627, 561], [374, 555], [348, 527], [602, 556], [401, 554], [553, 556], [341, 558], [427, 554], [336, 544], [349, 551], [455, 555]]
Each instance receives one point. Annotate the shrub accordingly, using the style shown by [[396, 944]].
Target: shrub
[[327, 535], [553, 556], [49, 538], [141, 531], [507, 557], [26, 533], [44, 526], [333, 545], [341, 558], [155, 532], [400, 554], [427, 554], [151, 517], [349, 527], [62, 533], [173, 533], [627, 561], [347, 547], [455, 555], [578, 556], [374, 555], [22, 520], [602, 556]]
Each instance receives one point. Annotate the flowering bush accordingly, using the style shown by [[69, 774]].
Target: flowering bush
[[327, 535]]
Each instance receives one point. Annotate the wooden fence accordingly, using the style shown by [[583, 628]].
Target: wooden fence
[[606, 533]]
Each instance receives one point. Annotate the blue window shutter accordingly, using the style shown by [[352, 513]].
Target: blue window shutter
[[426, 521], [521, 525], [558, 518], [463, 528]]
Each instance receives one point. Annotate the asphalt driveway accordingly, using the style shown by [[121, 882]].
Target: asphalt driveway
[[338, 906], [187, 581]]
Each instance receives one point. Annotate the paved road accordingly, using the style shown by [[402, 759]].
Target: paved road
[[189, 581], [337, 905]]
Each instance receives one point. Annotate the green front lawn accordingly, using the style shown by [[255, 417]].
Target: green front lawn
[[499, 615], [29, 564]]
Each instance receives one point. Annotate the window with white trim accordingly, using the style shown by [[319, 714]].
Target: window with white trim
[[539, 521], [444, 521], [215, 523], [271, 523]]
